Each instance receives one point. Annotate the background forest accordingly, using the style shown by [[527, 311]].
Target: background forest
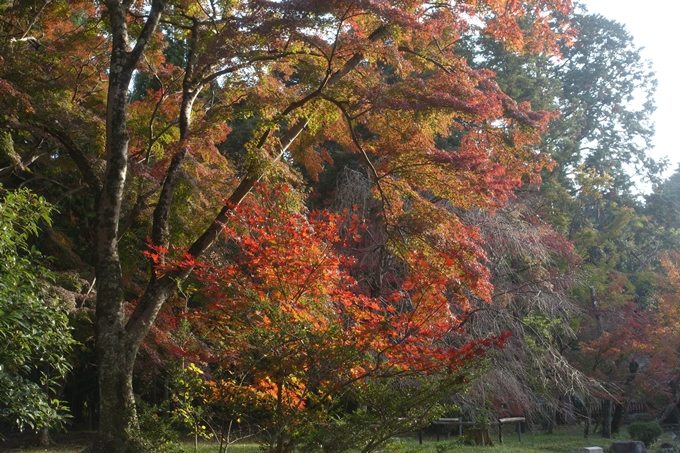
[[321, 224]]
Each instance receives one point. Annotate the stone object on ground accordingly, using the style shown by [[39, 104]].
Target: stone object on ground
[[478, 436], [590, 450], [634, 446]]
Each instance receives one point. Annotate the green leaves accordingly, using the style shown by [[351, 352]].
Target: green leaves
[[34, 329]]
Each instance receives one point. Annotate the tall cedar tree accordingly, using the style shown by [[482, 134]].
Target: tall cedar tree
[[380, 78]]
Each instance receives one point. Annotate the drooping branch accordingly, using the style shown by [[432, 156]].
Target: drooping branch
[[362, 151], [74, 151]]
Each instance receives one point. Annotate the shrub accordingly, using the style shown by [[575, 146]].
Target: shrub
[[647, 432], [34, 325]]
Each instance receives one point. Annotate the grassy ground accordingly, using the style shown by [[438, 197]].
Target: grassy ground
[[75, 442], [565, 440]]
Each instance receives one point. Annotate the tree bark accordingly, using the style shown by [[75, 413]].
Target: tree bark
[[568, 410], [617, 418], [42, 437], [598, 315], [115, 350]]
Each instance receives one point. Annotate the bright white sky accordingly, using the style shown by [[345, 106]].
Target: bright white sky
[[654, 26]]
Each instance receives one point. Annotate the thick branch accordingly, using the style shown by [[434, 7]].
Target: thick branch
[[157, 7], [137, 209], [78, 157], [190, 90], [160, 288]]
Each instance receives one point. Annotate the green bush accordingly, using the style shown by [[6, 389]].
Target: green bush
[[156, 434], [34, 326], [647, 432]]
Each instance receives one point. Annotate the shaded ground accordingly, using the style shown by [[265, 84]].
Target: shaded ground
[[76, 441], [63, 442]]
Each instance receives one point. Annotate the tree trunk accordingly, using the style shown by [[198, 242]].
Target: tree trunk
[[568, 409], [42, 437], [675, 399], [116, 349], [617, 419], [118, 425], [607, 419], [598, 315]]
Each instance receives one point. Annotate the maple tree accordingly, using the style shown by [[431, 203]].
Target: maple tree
[[532, 269], [383, 80], [290, 329]]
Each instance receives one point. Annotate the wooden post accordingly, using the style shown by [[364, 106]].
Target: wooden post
[[519, 431], [437, 432], [420, 436], [500, 432], [460, 426]]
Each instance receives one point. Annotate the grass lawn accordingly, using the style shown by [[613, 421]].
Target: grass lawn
[[76, 441], [567, 439]]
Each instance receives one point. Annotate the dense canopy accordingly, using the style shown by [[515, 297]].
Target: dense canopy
[[285, 216]]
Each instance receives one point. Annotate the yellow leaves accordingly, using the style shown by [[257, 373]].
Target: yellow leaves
[[593, 183], [192, 368], [669, 300]]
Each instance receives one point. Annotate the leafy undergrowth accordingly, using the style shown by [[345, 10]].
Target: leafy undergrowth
[[565, 439]]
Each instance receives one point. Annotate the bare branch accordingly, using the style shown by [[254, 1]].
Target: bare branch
[[424, 57]]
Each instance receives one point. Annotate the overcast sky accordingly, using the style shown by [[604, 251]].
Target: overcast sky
[[654, 25]]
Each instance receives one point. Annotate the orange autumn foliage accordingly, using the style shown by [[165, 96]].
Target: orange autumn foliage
[[290, 328]]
